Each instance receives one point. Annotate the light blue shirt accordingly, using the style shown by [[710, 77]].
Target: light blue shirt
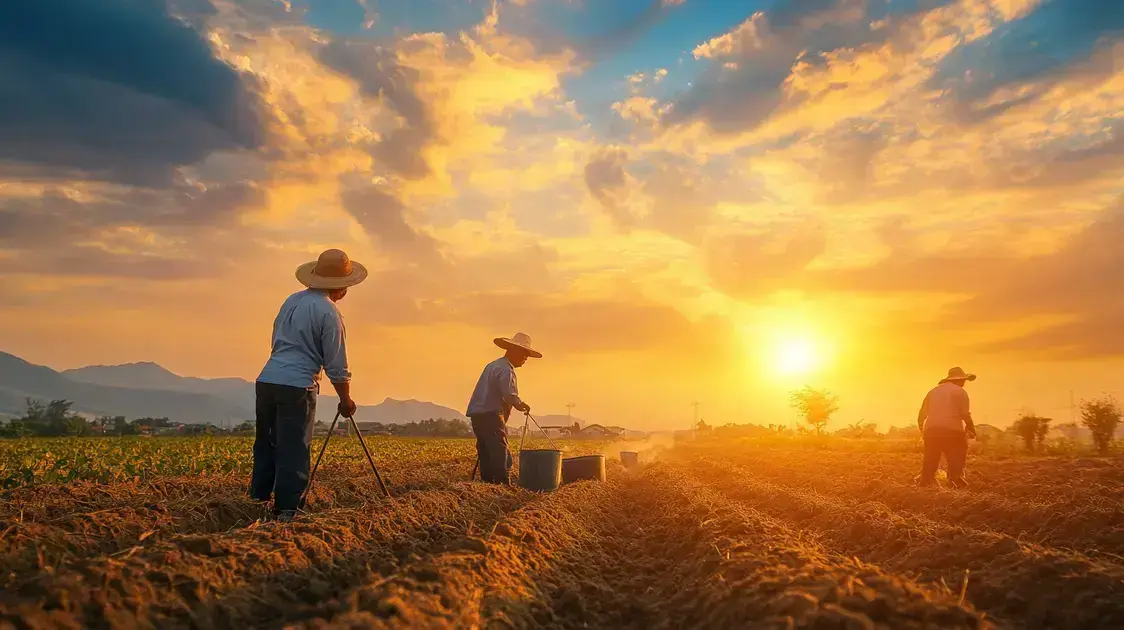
[[497, 391], [308, 336]]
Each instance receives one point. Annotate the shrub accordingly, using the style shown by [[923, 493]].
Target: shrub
[[1100, 416]]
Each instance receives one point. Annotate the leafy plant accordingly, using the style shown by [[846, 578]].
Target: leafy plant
[[816, 406], [1032, 429], [1100, 416]]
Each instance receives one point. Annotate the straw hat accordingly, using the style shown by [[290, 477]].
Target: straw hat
[[332, 270], [518, 341], [958, 374]]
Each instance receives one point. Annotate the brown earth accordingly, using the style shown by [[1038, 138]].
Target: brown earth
[[710, 536]]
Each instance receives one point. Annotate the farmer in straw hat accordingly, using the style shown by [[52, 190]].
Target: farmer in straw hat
[[308, 336], [946, 424], [496, 393]]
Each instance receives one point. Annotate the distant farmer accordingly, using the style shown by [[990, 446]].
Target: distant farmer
[[946, 425], [308, 336], [496, 394]]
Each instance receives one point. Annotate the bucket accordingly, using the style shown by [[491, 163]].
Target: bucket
[[586, 467], [630, 459], [540, 469]]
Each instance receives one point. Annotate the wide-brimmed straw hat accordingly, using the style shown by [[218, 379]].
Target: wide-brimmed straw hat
[[332, 270], [958, 374], [518, 341]]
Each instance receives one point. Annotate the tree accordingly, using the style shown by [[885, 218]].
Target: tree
[[52, 419], [1100, 416], [815, 405], [702, 427], [1032, 429]]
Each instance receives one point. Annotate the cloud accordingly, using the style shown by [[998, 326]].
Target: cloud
[[1038, 47], [121, 91], [746, 80], [383, 217], [111, 231], [382, 77], [607, 181]]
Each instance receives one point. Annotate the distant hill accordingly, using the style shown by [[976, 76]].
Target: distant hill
[[148, 375], [240, 392], [20, 380]]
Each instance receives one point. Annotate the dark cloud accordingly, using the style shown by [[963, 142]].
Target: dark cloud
[[606, 181], [114, 90], [1041, 47], [381, 76], [383, 217]]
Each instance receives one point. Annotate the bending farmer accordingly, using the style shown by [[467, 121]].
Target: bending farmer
[[946, 424], [496, 393], [308, 336]]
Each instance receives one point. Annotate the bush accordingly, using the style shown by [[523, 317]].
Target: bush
[[1100, 416], [1032, 429], [816, 406]]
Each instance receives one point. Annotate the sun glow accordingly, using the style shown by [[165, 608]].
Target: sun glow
[[788, 347], [796, 356]]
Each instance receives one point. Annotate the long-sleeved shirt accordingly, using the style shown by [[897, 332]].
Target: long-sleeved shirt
[[497, 391], [945, 407], [308, 336]]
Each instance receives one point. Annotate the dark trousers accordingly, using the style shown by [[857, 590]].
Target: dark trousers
[[953, 445], [282, 443], [491, 448]]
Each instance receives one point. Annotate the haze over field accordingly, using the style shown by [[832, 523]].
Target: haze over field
[[679, 200]]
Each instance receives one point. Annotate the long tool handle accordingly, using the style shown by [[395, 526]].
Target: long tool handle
[[525, 417], [366, 452], [323, 447], [552, 444]]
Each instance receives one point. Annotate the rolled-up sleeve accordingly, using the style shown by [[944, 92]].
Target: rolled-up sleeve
[[509, 387], [334, 344], [962, 410]]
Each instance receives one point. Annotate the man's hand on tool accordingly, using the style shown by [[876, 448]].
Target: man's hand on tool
[[347, 405], [525, 408]]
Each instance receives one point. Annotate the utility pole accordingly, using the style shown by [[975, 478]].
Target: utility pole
[[1072, 408], [695, 424], [569, 406]]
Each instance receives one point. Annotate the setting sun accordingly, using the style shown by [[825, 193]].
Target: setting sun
[[797, 357]]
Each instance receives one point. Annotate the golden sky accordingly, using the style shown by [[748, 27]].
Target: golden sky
[[693, 202]]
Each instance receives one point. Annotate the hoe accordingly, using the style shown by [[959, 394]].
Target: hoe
[[358, 434]]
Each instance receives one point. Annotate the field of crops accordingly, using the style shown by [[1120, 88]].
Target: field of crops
[[159, 533]]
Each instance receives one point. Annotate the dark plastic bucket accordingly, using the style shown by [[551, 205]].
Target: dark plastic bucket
[[540, 469], [630, 459], [586, 467]]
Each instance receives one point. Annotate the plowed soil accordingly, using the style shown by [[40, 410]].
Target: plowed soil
[[704, 536]]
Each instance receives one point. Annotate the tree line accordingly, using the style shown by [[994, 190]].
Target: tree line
[[55, 419], [1101, 416]]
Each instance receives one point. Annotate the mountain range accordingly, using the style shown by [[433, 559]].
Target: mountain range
[[137, 390]]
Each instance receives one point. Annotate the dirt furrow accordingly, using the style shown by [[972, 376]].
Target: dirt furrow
[[1090, 525], [45, 527], [641, 551], [1019, 582], [252, 576]]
